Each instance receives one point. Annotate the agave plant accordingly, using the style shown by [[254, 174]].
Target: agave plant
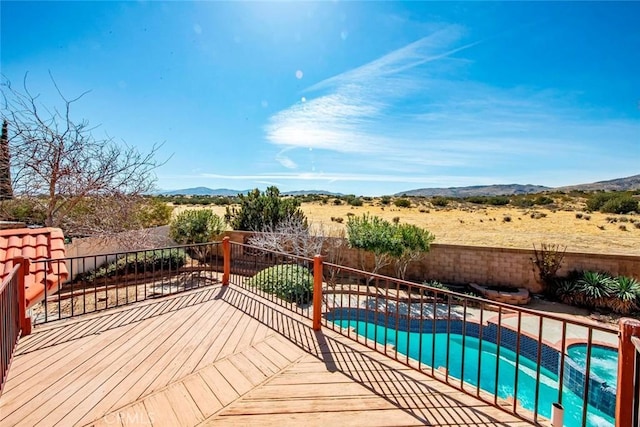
[[596, 287], [569, 292], [625, 295]]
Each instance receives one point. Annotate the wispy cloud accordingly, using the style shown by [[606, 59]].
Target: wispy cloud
[[320, 178], [410, 112]]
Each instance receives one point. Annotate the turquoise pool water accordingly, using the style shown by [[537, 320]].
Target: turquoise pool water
[[604, 361], [420, 347]]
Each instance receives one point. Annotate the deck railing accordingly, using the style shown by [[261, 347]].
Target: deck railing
[[110, 280], [628, 404], [514, 358], [518, 359], [12, 316]]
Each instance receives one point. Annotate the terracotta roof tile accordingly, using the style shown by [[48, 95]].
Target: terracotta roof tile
[[35, 244]]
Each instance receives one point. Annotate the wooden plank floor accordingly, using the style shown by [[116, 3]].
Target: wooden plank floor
[[219, 356]]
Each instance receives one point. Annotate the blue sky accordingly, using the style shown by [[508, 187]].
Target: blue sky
[[368, 98]]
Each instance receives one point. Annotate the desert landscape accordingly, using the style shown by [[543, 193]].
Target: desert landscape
[[462, 223]]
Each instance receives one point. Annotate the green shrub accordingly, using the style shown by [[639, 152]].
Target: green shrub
[[402, 203], [543, 200], [478, 200], [139, 262], [259, 211], [385, 200], [498, 200], [354, 201], [337, 202], [597, 200], [24, 209], [620, 205], [522, 202], [439, 201], [292, 283], [154, 212], [196, 226]]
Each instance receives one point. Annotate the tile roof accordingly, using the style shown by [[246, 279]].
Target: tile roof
[[35, 244]]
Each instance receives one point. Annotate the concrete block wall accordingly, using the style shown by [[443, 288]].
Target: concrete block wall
[[487, 265]]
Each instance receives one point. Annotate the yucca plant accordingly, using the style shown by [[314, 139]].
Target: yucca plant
[[569, 292], [596, 287], [625, 295]]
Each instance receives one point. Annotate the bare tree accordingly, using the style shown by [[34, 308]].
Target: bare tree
[[291, 235], [59, 160]]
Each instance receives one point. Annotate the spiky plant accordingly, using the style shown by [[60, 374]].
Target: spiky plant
[[596, 287], [569, 292], [625, 295]]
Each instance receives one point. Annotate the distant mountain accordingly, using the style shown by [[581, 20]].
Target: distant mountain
[[476, 190], [308, 192], [203, 191], [620, 184]]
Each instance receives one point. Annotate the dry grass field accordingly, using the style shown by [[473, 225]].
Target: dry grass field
[[479, 225]]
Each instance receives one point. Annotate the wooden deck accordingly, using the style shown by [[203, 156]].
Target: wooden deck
[[219, 356]]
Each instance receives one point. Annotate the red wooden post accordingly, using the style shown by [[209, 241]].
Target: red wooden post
[[226, 260], [317, 292], [25, 322], [626, 371]]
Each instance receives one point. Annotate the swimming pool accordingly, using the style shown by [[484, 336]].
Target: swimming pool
[[420, 346], [604, 361]]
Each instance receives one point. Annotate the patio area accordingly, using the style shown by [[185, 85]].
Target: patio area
[[219, 356]]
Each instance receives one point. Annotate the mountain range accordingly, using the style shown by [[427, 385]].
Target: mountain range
[[619, 184]]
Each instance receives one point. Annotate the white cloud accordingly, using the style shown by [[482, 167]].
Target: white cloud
[[411, 113]]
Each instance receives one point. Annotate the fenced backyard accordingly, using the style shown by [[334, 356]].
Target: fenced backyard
[[519, 360]]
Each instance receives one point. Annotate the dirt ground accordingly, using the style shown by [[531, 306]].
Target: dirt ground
[[496, 226]]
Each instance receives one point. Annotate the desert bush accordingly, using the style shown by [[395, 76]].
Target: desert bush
[[620, 205], [259, 210], [506, 218], [396, 220], [543, 200], [498, 200], [402, 203], [579, 215], [587, 217], [385, 200], [522, 202], [153, 212], [292, 283], [538, 215], [612, 202], [439, 201], [337, 202], [196, 226], [636, 224], [424, 210], [597, 200], [622, 227], [354, 201], [29, 210], [478, 200], [337, 219], [139, 262]]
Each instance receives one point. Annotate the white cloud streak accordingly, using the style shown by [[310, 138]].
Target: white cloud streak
[[409, 108]]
